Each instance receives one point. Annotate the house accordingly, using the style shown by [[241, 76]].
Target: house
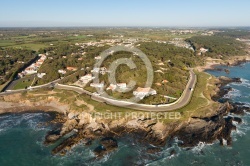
[[98, 57], [85, 79], [64, 57], [112, 87], [203, 50], [97, 85], [143, 92], [21, 75], [71, 68], [62, 71], [164, 81], [40, 61], [158, 84], [30, 70], [80, 59], [40, 75]]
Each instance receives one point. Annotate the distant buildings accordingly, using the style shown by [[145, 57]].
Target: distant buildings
[[87, 78], [41, 75], [70, 68], [120, 86], [143, 92], [33, 68], [97, 85], [164, 81], [102, 70], [61, 71], [98, 57], [112, 87], [202, 51]]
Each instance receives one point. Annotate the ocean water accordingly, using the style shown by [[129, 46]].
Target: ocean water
[[22, 136]]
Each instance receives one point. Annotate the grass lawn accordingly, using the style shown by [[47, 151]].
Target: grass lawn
[[32, 46], [22, 84]]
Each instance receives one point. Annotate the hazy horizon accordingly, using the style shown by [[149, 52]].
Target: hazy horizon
[[125, 13]]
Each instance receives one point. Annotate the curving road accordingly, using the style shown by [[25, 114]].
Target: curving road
[[181, 102]]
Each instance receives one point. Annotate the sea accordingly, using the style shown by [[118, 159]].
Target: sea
[[22, 137]]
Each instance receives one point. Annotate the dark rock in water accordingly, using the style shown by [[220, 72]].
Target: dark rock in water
[[216, 69], [239, 120], [88, 142], [223, 91], [172, 152], [237, 80], [227, 71], [99, 151], [237, 109], [52, 136], [66, 145], [107, 144], [247, 109], [153, 150], [207, 129], [226, 132]]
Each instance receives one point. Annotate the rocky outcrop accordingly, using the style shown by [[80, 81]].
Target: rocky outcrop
[[221, 89], [107, 144], [85, 128]]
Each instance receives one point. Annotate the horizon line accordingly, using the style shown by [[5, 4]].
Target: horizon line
[[103, 26]]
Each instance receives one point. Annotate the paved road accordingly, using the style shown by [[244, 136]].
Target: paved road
[[181, 102], [50, 84]]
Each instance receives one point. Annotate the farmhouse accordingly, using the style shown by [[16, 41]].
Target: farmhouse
[[143, 92]]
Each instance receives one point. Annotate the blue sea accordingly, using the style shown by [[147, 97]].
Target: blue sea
[[22, 136]]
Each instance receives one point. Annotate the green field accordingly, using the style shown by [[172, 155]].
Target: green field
[[22, 84]]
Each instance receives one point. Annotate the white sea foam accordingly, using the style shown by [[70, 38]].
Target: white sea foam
[[244, 82], [233, 93], [199, 147], [240, 132], [32, 120]]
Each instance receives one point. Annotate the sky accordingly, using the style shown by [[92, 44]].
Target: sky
[[156, 13]]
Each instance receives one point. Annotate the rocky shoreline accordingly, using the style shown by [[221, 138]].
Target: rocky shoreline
[[149, 131], [85, 128]]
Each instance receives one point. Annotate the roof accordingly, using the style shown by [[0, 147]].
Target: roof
[[139, 89], [71, 68]]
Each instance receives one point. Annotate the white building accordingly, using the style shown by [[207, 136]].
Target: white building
[[98, 57], [85, 79], [97, 85], [203, 50], [62, 71], [143, 92], [41, 75]]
